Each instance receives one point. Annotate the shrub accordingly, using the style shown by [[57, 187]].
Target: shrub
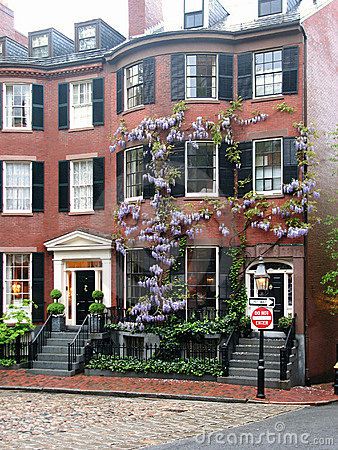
[[7, 362], [96, 308], [285, 322], [97, 296], [56, 309], [55, 294], [15, 322]]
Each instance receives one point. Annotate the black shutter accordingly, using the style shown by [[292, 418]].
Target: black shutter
[[1, 284], [38, 286], [178, 77], [148, 81], [38, 186], [119, 280], [37, 107], [290, 70], [63, 101], [1, 105], [245, 170], [148, 188], [98, 101], [225, 76], [177, 160], [64, 186], [225, 261], [290, 162], [119, 91], [244, 61], [1, 178], [120, 177], [98, 183], [225, 173]]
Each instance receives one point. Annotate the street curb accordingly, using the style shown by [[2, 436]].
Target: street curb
[[153, 395]]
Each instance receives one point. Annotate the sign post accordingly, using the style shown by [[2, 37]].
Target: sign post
[[261, 319]]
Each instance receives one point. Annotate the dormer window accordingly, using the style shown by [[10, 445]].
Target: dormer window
[[268, 7], [40, 48], [87, 37], [193, 13]]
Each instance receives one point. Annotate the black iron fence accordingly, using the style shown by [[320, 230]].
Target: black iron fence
[[40, 340], [286, 350], [75, 347], [17, 350]]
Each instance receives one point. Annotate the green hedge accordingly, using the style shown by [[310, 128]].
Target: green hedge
[[6, 362], [194, 366]]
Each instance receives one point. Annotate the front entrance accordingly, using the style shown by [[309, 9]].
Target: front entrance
[[85, 285], [277, 291]]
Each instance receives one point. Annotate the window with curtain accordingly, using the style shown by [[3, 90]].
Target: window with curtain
[[18, 106], [268, 165], [17, 278], [268, 73], [87, 37], [17, 187], [82, 185], [201, 76], [134, 85], [134, 172], [81, 105], [40, 46], [201, 171]]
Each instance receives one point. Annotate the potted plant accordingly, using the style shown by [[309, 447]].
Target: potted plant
[[55, 294], [56, 310], [245, 326], [96, 311], [284, 323]]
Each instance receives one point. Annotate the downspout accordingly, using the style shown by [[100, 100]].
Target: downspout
[[306, 239]]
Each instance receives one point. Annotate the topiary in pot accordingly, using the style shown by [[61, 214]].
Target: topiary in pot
[[55, 294], [96, 318], [58, 318], [98, 296], [284, 323], [97, 308], [56, 309]]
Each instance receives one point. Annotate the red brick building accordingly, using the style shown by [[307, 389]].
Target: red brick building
[[61, 184]]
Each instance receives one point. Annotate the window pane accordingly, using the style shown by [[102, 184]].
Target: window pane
[[201, 277], [82, 185], [134, 84], [193, 5], [268, 165], [17, 186], [201, 168], [82, 105], [18, 106], [134, 172], [137, 268], [17, 278], [201, 73], [268, 70]]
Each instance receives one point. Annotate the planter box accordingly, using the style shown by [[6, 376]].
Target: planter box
[[96, 323], [173, 376], [58, 323]]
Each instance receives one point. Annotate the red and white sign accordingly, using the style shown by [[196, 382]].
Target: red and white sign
[[261, 318]]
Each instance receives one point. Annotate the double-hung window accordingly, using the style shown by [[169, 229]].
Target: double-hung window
[[267, 7], [134, 173], [268, 73], [268, 166], [18, 106], [193, 13], [17, 187], [81, 104], [81, 185], [18, 278], [134, 85], [201, 76], [201, 169], [87, 37], [138, 262], [40, 47]]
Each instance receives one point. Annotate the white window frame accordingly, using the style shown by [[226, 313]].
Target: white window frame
[[73, 123], [200, 194], [38, 36], [72, 209], [136, 198], [284, 9], [272, 192], [5, 106], [205, 15], [4, 187], [88, 37], [126, 108], [261, 97], [28, 309], [186, 76]]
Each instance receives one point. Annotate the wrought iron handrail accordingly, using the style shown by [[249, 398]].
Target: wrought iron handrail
[[77, 343], [227, 348], [285, 351], [35, 346]]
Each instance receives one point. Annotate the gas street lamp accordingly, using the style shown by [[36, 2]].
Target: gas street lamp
[[262, 278]]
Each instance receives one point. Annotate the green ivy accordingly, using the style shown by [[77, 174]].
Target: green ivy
[[238, 298]]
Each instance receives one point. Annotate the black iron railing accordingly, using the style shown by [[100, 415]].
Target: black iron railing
[[285, 351], [227, 347], [40, 340], [16, 350], [75, 347]]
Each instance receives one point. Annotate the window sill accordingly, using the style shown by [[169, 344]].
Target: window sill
[[213, 101], [16, 130], [131, 110], [199, 197], [10, 214], [133, 199], [74, 130], [270, 98], [80, 213], [272, 195]]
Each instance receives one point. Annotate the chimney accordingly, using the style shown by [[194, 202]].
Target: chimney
[[144, 14], [7, 24]]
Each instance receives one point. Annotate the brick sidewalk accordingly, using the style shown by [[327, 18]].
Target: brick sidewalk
[[127, 386]]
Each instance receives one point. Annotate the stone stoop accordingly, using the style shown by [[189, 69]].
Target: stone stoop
[[244, 361], [53, 359]]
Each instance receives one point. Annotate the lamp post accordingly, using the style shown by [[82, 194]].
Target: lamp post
[[262, 283]]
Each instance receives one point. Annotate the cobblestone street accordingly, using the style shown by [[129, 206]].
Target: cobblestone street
[[57, 421]]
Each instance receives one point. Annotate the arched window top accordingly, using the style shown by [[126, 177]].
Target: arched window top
[[276, 265]]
